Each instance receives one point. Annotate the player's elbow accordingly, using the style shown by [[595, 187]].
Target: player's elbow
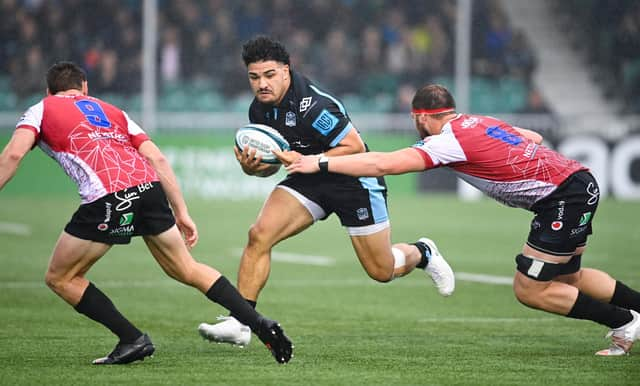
[[158, 160], [384, 166], [13, 157]]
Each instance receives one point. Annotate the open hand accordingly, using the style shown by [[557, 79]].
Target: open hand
[[304, 164]]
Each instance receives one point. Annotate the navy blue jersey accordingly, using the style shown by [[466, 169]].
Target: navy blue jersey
[[311, 120]]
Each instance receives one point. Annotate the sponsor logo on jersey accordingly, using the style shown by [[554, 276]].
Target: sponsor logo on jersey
[[96, 136], [126, 201], [362, 213], [145, 186], [593, 192], [304, 104], [325, 122], [107, 212], [103, 227], [577, 231], [122, 231], [126, 219], [530, 150], [560, 215], [556, 225], [290, 119], [584, 219]]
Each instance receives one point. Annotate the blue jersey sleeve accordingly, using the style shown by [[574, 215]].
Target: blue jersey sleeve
[[328, 117]]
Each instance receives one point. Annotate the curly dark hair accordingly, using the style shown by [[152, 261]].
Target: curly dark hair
[[65, 76], [263, 48]]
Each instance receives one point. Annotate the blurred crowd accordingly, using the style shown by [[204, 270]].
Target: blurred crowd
[[363, 47], [608, 33]]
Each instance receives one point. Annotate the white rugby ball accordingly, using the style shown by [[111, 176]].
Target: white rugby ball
[[262, 138]]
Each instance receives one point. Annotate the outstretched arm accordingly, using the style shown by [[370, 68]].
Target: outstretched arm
[[171, 188], [350, 144], [372, 164], [19, 145]]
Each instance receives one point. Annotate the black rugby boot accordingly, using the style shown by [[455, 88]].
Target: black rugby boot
[[128, 352], [272, 335]]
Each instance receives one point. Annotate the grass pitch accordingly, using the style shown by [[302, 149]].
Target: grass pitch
[[347, 329]]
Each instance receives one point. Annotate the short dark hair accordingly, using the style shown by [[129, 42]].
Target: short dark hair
[[65, 76], [263, 48], [433, 96]]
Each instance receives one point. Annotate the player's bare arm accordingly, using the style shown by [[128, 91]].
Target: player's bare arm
[[19, 145], [529, 134], [372, 164], [170, 185], [351, 144]]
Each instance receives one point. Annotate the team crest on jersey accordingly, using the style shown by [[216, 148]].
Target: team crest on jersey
[[290, 119], [362, 213], [469, 122], [304, 104]]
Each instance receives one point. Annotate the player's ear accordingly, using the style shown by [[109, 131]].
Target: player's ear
[[286, 71], [48, 92], [85, 87]]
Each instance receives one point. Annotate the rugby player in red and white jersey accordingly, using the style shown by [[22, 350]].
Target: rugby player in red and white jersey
[[510, 165], [124, 182]]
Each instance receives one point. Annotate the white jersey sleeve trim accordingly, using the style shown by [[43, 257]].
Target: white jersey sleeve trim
[[443, 148], [33, 116], [132, 127]]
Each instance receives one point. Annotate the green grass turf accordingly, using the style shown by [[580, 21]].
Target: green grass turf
[[348, 330]]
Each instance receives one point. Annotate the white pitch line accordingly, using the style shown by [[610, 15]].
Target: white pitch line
[[15, 229], [482, 278], [286, 283], [297, 258], [475, 319]]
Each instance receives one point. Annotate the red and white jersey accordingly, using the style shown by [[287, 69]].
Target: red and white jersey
[[95, 143], [493, 156]]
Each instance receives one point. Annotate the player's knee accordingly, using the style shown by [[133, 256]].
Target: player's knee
[[528, 291], [380, 274], [184, 273], [54, 282], [523, 294], [258, 237]]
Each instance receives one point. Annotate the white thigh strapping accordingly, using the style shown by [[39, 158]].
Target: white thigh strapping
[[399, 258], [314, 209]]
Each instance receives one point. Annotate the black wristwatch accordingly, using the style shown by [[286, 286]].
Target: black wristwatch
[[323, 164]]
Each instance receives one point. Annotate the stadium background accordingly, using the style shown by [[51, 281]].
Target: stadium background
[[175, 66], [569, 69]]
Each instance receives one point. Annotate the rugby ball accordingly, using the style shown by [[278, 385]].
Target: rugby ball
[[262, 138]]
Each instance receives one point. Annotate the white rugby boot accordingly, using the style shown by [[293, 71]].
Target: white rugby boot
[[229, 330], [622, 338], [439, 270]]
